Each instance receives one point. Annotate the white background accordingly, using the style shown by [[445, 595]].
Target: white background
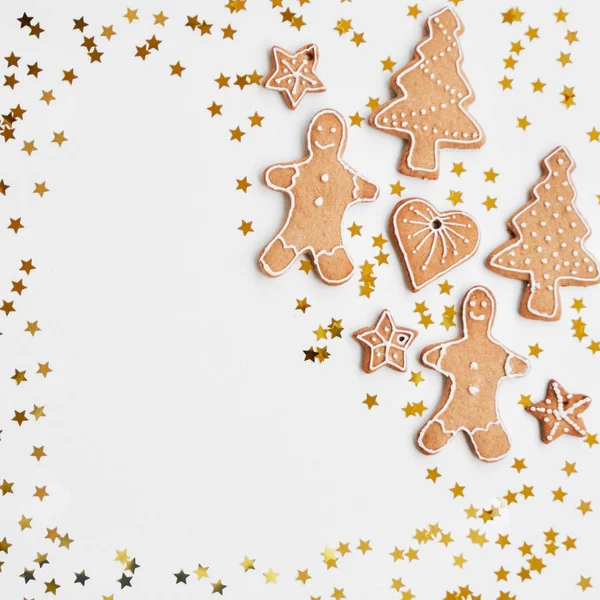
[[182, 422]]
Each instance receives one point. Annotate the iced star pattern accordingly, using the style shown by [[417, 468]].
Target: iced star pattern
[[560, 413], [385, 344], [294, 74]]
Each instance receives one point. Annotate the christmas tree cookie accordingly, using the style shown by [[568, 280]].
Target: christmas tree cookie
[[433, 95], [547, 249]]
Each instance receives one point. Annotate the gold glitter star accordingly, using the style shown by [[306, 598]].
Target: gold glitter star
[[358, 39], [490, 203], [131, 15], [532, 33], [523, 123], [40, 492], [455, 197], [564, 59], [256, 120], [561, 15], [271, 576], [414, 11], [354, 229], [458, 169], [396, 188], [506, 83], [302, 305], [388, 64], [457, 490], [433, 474], [356, 119], [535, 350], [538, 85], [177, 69], [246, 227], [371, 401]]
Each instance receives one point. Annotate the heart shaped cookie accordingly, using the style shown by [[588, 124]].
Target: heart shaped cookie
[[432, 242]]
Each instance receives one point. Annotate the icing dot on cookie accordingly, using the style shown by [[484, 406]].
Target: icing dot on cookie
[[473, 366], [473, 389], [325, 178], [319, 201]]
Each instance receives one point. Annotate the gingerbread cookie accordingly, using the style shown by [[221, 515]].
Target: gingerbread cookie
[[385, 344], [294, 74], [321, 186], [560, 413], [475, 364], [434, 93], [431, 243], [547, 249]]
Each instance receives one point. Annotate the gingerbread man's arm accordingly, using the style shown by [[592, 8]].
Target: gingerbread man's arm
[[363, 189], [516, 365], [281, 177], [432, 356]]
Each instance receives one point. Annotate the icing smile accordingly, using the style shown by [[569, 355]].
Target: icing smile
[[475, 317], [324, 146]]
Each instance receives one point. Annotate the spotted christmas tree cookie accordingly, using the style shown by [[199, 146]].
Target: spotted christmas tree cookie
[[321, 186], [431, 243], [385, 344], [547, 249], [433, 95], [475, 364], [559, 413], [293, 74]]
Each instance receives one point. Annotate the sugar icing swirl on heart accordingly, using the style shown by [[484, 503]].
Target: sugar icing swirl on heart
[[443, 228], [432, 242]]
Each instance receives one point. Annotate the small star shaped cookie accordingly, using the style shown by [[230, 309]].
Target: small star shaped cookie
[[385, 344], [560, 413], [294, 74]]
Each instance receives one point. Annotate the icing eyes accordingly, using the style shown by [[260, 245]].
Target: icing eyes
[[319, 128], [472, 303], [332, 130], [484, 304]]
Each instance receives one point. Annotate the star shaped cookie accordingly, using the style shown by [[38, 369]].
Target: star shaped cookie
[[560, 413], [294, 74], [385, 344]]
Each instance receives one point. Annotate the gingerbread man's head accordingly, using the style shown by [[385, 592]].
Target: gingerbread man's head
[[327, 133], [479, 307]]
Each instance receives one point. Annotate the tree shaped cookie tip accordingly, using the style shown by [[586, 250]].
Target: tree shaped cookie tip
[[433, 94], [548, 245]]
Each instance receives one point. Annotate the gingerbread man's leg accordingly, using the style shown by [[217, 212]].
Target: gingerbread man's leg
[[277, 257], [432, 438], [492, 443], [334, 267]]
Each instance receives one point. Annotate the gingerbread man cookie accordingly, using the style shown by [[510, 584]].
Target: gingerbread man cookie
[[321, 186], [294, 74], [432, 243], [385, 344], [431, 110], [559, 413], [547, 249], [475, 364]]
